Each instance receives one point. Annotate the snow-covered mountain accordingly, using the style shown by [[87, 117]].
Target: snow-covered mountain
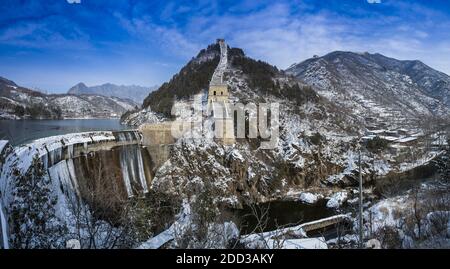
[[91, 106], [315, 156], [17, 102], [321, 130], [248, 80], [374, 85], [132, 92], [193, 78], [308, 124], [320, 114]]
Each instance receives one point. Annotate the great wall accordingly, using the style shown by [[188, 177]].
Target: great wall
[[159, 135]]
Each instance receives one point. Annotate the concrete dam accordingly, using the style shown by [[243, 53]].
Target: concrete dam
[[123, 163]]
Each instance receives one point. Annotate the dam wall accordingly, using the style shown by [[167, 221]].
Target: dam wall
[[158, 140], [76, 165]]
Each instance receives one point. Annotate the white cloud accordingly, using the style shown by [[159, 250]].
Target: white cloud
[[172, 40], [43, 35], [277, 35], [374, 1], [74, 1]]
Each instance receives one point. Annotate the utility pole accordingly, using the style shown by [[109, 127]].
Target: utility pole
[[360, 203]]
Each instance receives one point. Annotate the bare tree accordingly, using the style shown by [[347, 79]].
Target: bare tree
[[417, 211], [101, 210]]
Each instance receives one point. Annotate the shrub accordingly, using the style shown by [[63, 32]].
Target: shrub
[[317, 139], [377, 144]]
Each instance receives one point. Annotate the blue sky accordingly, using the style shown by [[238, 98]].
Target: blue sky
[[55, 44]]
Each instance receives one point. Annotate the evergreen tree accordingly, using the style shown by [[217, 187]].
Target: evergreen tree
[[444, 165], [34, 223]]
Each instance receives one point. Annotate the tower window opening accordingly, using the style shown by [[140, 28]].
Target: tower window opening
[[214, 92], [221, 93]]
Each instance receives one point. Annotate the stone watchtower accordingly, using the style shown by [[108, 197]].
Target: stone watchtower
[[217, 93]]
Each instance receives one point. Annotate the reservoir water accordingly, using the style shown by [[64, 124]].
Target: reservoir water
[[280, 214], [23, 131]]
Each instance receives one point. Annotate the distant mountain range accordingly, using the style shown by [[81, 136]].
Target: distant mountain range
[[17, 102], [377, 86], [132, 92]]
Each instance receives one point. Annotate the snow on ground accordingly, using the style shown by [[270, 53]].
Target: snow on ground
[[303, 243], [181, 224], [337, 199], [419, 162], [391, 212], [350, 165], [237, 155], [385, 212], [309, 198], [218, 235], [125, 105], [159, 240], [4, 115], [141, 117], [3, 143], [381, 167], [348, 238], [437, 216], [263, 240], [3, 229]]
